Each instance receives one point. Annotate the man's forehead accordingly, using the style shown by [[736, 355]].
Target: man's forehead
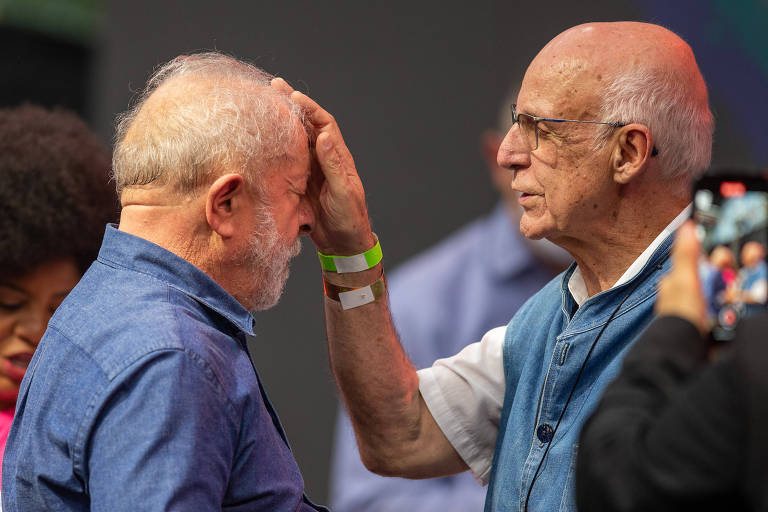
[[298, 157], [560, 87]]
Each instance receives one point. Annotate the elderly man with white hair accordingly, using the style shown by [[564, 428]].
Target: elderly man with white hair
[[610, 126], [142, 394]]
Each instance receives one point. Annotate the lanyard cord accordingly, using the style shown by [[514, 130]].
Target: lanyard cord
[[578, 376]]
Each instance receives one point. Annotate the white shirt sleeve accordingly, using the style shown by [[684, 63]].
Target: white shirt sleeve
[[465, 394], [758, 292]]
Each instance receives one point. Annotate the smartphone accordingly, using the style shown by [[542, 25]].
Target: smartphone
[[731, 214]]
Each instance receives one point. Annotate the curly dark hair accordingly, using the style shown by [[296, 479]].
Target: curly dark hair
[[55, 195]]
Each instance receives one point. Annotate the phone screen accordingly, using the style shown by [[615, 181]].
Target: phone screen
[[731, 214]]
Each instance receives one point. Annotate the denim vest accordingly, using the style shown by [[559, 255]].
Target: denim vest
[[544, 347]]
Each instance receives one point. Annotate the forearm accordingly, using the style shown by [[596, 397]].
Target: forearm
[[396, 433], [378, 384], [353, 488]]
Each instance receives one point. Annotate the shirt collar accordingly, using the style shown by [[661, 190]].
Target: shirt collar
[[129, 251], [578, 287]]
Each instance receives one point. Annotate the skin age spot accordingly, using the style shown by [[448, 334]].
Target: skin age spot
[[594, 206]]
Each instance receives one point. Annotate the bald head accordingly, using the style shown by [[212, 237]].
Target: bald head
[[630, 44], [629, 72], [201, 116], [752, 253]]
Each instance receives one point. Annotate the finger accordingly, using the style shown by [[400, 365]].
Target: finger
[[281, 85], [331, 160], [316, 115], [685, 254]]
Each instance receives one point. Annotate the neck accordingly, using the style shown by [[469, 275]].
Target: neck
[[175, 224], [180, 226], [607, 256]]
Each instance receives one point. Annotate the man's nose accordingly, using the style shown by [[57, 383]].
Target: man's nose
[[306, 217], [514, 152]]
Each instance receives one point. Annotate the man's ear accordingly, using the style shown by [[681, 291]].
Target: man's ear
[[633, 151], [224, 198]]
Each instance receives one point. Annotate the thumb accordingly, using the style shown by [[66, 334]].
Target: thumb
[[685, 253]]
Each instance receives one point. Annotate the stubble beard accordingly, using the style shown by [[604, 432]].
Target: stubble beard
[[270, 258]]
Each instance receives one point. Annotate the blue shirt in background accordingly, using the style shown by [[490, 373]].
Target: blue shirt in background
[[442, 300], [142, 396]]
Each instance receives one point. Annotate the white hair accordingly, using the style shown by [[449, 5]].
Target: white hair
[[218, 114], [680, 120]]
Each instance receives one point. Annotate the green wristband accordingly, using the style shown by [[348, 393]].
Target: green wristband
[[354, 263]]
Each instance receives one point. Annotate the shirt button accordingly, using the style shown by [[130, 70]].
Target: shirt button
[[544, 433]]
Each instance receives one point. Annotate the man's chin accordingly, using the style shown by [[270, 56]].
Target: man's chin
[[532, 232], [272, 291], [538, 226]]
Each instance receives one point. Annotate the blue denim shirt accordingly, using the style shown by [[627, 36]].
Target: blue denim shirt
[[494, 269], [142, 396], [541, 362]]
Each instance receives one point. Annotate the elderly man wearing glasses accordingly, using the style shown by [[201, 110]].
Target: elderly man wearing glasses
[[611, 125]]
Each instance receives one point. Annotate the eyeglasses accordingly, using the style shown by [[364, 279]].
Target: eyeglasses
[[529, 126]]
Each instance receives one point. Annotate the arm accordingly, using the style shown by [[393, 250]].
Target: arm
[[173, 451], [353, 488], [396, 433]]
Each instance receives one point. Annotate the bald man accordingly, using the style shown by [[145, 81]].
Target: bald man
[[142, 394], [610, 126]]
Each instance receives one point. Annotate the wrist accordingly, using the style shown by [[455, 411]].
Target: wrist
[[354, 279], [352, 246], [356, 262], [353, 296]]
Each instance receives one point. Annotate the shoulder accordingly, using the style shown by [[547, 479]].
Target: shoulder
[[119, 323], [532, 328], [544, 302]]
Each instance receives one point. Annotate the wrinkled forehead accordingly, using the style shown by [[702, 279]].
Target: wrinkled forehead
[[562, 85]]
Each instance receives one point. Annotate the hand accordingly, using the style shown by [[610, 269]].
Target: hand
[[336, 193], [680, 290]]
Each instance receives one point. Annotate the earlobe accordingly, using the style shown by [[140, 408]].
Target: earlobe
[[222, 202]]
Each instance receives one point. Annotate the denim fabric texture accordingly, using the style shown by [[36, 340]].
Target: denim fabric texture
[[442, 300], [142, 396], [544, 348]]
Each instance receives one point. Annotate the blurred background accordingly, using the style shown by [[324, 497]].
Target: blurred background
[[412, 84]]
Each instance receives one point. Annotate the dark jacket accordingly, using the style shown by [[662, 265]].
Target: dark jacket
[[674, 432]]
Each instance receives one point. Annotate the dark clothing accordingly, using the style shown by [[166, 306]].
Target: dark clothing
[[676, 433], [142, 396]]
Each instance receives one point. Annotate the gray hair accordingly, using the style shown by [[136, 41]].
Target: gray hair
[[680, 120], [220, 115]]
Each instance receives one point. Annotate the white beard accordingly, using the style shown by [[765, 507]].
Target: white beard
[[269, 258]]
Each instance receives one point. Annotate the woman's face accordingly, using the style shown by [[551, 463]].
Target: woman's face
[[26, 305]]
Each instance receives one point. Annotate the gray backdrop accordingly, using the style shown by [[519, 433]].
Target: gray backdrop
[[412, 85]]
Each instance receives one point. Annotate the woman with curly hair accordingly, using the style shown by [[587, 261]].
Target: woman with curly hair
[[55, 199]]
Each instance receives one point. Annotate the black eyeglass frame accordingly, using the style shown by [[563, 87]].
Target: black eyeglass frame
[[536, 119]]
